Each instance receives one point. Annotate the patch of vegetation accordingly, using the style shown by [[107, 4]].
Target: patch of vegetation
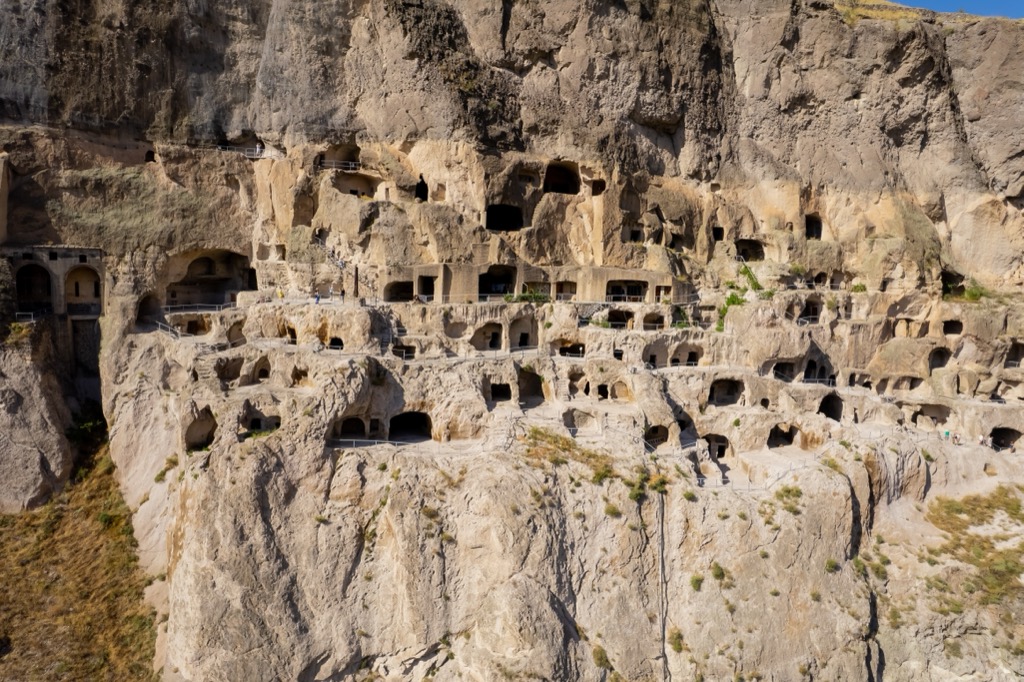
[[612, 511], [789, 495], [859, 288], [996, 557], [73, 592], [527, 297], [690, 496], [751, 278], [797, 270], [696, 581], [601, 658], [544, 446], [675, 640], [832, 566]]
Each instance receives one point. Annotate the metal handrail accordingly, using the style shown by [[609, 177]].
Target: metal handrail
[[339, 165], [198, 308], [25, 317]]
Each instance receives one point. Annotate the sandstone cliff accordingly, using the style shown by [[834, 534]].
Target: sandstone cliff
[[656, 318]]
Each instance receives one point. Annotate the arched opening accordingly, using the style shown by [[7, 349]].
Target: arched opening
[[504, 218], [531, 387], [821, 280], [812, 226], [235, 335], [410, 427], [1004, 438], [422, 190], [200, 433], [832, 407], [261, 370], [718, 446], [782, 435], [356, 184], [499, 280], [33, 289], [784, 371], [725, 392], [350, 427], [630, 291], [653, 321], [811, 312], [562, 178], [750, 250], [952, 327], [213, 278], [399, 292], [523, 332], [487, 337], [938, 359], [620, 319], [621, 392], [656, 435], [82, 292], [149, 310], [150, 156], [202, 267], [335, 343]]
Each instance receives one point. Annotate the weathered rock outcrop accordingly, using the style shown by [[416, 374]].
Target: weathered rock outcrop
[[541, 340]]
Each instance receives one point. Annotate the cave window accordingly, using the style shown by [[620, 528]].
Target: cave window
[[1004, 438], [654, 321], [626, 291], [150, 156], [656, 435], [501, 393], [399, 292], [636, 236], [725, 392], [574, 350], [149, 310], [200, 433], [718, 446], [692, 358], [597, 187], [498, 281], [938, 359], [531, 387], [422, 191], [718, 233], [565, 291], [504, 218], [53, 255], [784, 371], [812, 226], [404, 352], [602, 391], [83, 259], [336, 343], [952, 283], [1015, 355], [562, 178], [410, 427], [617, 353], [952, 327], [832, 407], [33, 289], [262, 369], [750, 250], [780, 436], [427, 287], [620, 319], [351, 427], [811, 313]]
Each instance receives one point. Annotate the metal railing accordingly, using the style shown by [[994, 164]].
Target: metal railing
[[24, 317], [339, 165], [257, 152], [198, 308]]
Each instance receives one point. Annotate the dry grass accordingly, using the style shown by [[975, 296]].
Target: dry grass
[[544, 446], [853, 11], [72, 604], [996, 557]]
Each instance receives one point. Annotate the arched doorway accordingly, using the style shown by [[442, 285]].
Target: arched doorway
[[410, 427], [83, 292], [34, 289]]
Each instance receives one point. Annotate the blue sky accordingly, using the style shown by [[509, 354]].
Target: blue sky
[[1002, 8]]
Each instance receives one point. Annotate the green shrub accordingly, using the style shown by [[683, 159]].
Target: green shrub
[[690, 496], [832, 566], [675, 640], [696, 581], [859, 288], [717, 572], [601, 658], [612, 511], [734, 299]]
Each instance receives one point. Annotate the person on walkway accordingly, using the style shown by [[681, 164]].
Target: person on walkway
[[316, 297]]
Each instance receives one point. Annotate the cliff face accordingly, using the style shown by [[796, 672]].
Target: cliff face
[[665, 355]]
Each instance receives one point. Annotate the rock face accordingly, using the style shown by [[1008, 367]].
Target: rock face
[[544, 341], [36, 458]]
